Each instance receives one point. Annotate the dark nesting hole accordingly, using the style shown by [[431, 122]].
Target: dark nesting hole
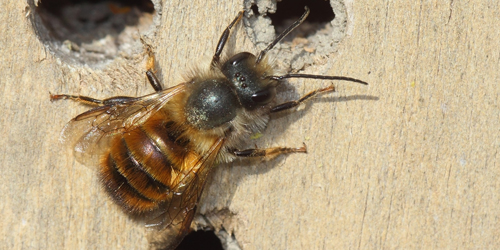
[[255, 9], [200, 240], [312, 42], [288, 11], [90, 31]]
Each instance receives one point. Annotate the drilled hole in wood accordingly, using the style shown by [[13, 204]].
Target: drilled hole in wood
[[93, 32], [311, 43], [289, 11], [200, 240]]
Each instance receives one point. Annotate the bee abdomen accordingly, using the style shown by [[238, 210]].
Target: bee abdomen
[[119, 187], [136, 173], [167, 137]]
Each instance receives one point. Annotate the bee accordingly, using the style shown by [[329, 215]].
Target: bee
[[155, 152]]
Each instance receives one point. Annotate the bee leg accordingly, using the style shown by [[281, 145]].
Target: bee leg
[[150, 66], [292, 104], [268, 153], [153, 80], [223, 39], [92, 101]]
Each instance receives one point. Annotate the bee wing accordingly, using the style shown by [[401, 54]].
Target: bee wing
[[174, 219], [90, 132]]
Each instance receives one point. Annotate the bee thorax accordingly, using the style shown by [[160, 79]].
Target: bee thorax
[[211, 104]]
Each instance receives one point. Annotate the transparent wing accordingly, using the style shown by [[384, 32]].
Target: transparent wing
[[90, 132], [173, 221]]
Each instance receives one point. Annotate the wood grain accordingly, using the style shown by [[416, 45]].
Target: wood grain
[[411, 161]]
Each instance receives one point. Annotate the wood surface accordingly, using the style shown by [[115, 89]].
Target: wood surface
[[411, 161]]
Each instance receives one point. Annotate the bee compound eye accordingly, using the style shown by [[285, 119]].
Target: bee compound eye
[[264, 96]]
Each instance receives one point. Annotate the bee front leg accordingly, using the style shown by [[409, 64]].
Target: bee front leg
[[268, 153], [292, 104], [223, 39]]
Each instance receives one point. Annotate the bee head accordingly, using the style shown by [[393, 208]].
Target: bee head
[[249, 79]]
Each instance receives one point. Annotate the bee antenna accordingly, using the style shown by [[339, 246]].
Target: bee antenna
[[283, 34], [340, 78]]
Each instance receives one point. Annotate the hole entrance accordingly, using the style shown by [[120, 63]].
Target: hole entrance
[[200, 240], [312, 42], [289, 11], [93, 31]]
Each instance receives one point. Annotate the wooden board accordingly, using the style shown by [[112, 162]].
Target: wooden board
[[410, 161]]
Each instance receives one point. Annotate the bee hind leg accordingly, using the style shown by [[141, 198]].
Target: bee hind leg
[[153, 80], [292, 104], [92, 101], [269, 153]]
